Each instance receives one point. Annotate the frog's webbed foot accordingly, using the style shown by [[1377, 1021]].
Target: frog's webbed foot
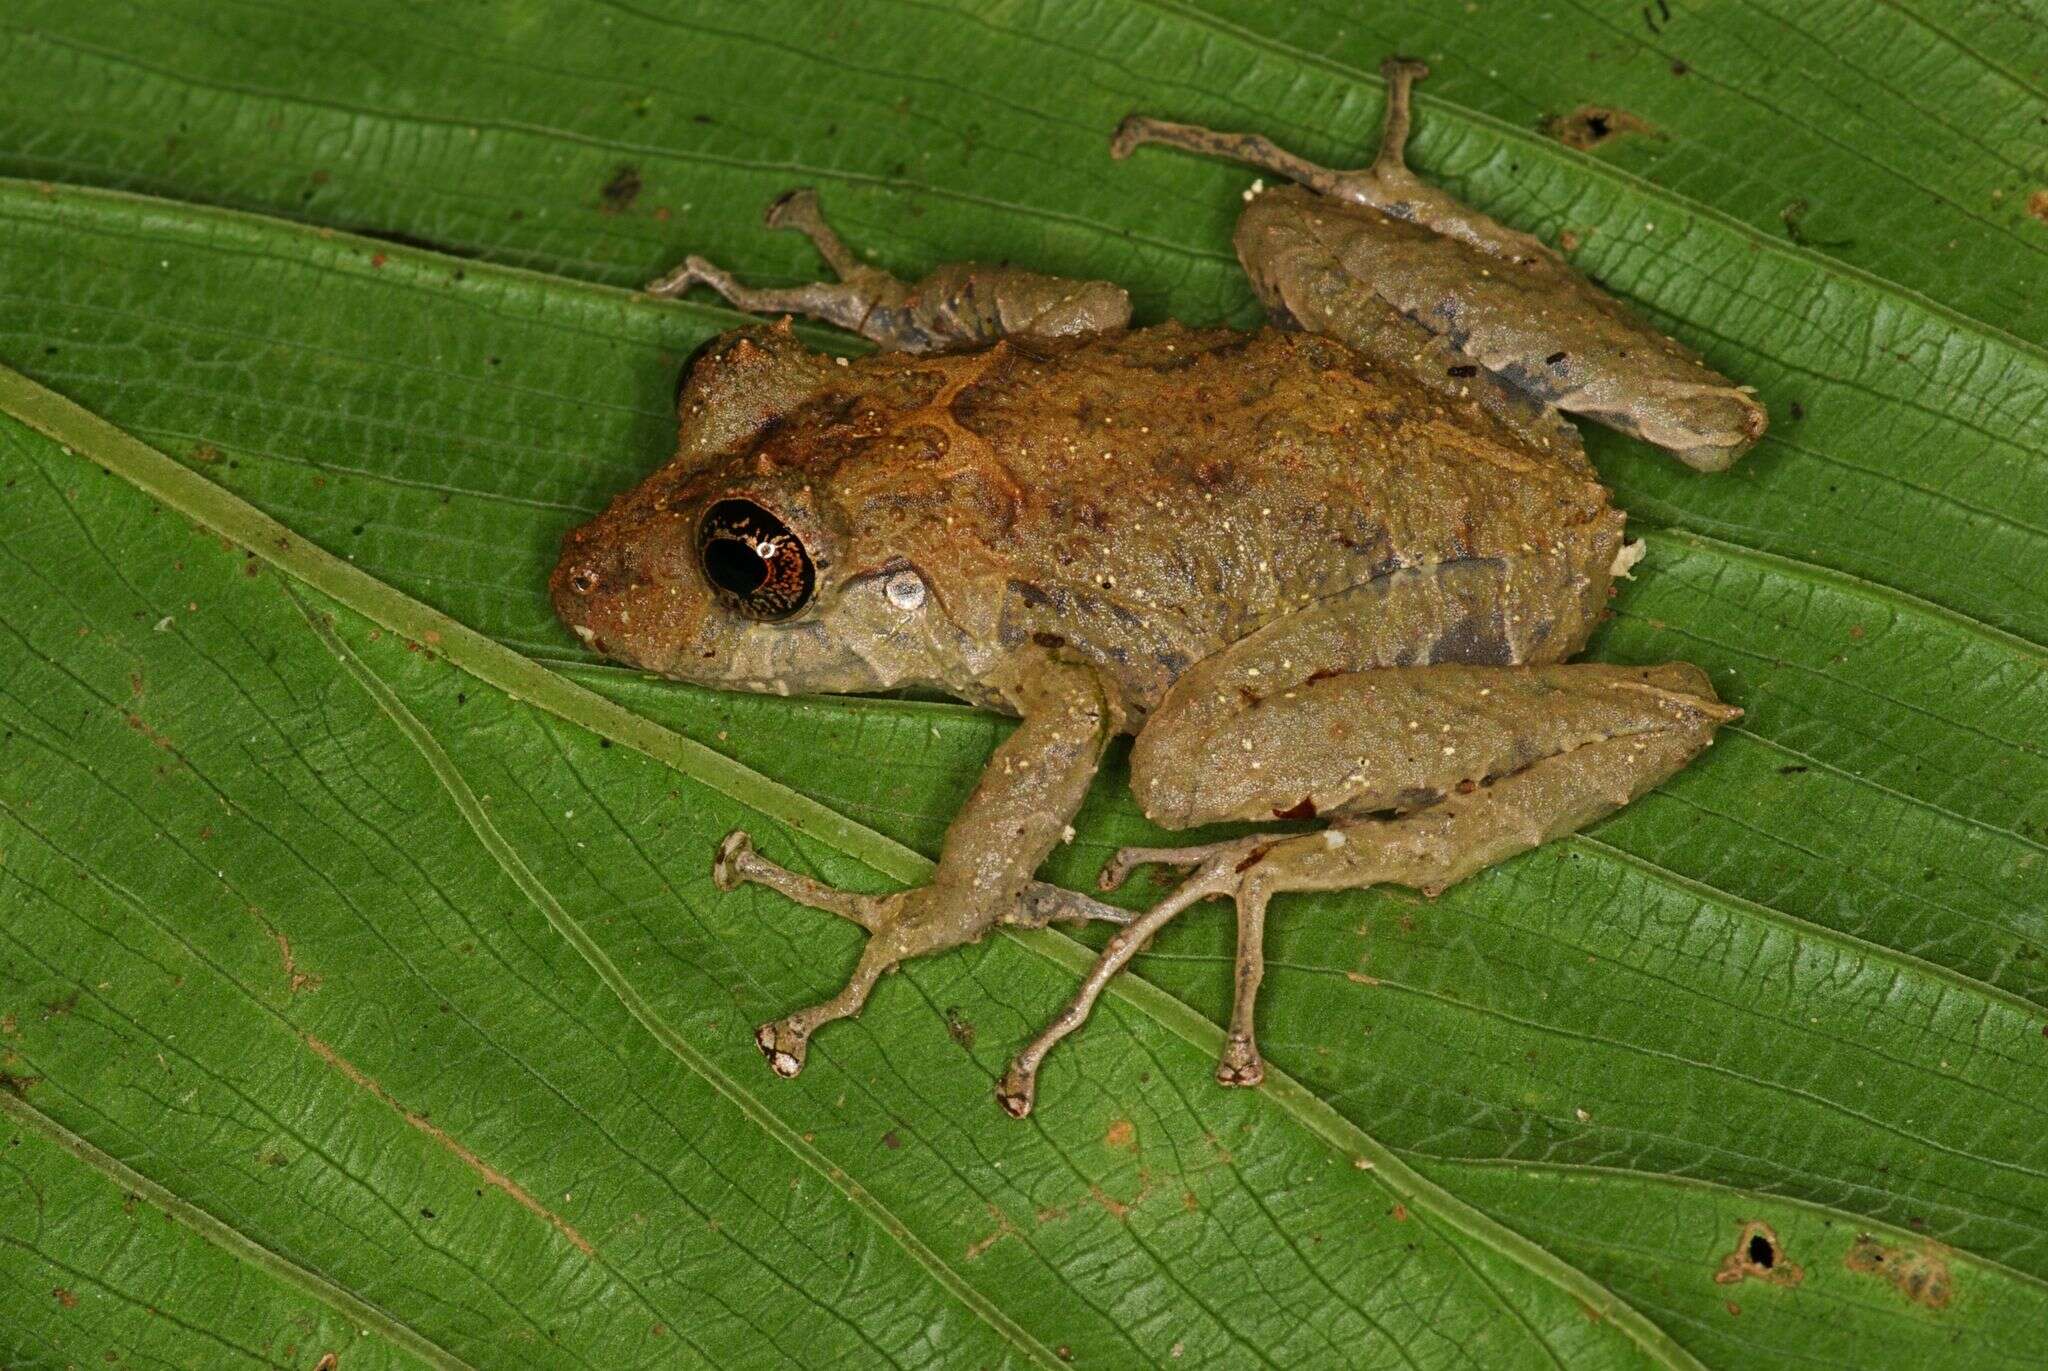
[[960, 304]]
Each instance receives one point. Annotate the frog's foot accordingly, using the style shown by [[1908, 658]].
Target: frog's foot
[[1240, 1063], [1367, 185], [1251, 149], [1217, 875], [849, 304], [893, 938]]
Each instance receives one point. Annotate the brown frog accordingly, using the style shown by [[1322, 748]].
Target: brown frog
[[1330, 570]]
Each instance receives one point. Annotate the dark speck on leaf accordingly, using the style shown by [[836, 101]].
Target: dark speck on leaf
[[1591, 125], [621, 191]]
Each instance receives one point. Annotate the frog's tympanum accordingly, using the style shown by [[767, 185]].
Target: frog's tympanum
[[1330, 570]]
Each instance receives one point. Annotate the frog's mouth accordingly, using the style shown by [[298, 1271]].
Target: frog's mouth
[[805, 657]]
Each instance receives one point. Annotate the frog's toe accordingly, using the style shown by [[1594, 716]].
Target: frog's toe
[[1134, 131], [783, 1046], [1241, 1064], [1125, 860], [733, 852], [1016, 1090]]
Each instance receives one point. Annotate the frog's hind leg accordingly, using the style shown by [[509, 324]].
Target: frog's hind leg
[[1501, 300], [960, 304], [1386, 185], [1541, 753]]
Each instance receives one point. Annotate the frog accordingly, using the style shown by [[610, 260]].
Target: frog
[[1328, 574]]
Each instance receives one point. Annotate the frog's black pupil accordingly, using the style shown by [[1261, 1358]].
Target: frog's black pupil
[[754, 560], [732, 565]]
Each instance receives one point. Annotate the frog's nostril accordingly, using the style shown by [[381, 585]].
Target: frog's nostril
[[583, 580]]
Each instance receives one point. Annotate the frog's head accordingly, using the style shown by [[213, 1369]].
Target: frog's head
[[737, 578]]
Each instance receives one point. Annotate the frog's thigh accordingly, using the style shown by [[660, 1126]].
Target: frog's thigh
[[1411, 738], [1526, 318], [1467, 831], [1531, 609], [1291, 245]]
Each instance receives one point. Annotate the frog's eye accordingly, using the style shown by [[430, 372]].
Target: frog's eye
[[755, 562]]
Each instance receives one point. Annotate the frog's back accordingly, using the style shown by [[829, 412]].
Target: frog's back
[[1152, 496]]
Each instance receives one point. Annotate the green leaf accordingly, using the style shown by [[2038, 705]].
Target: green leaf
[[362, 988]]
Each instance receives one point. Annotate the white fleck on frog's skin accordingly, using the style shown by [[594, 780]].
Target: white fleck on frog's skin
[[1332, 571]]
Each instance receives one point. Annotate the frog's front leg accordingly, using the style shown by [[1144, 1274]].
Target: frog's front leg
[[1503, 300], [1475, 764], [1029, 791], [960, 304]]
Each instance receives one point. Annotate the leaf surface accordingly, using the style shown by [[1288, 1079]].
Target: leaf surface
[[362, 986]]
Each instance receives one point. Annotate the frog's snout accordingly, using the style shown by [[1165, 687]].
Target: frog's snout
[[606, 591]]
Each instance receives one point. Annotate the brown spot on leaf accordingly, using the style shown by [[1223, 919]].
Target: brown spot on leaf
[[1589, 126], [1920, 1273], [891, 1141], [1121, 1134], [1115, 1206], [135, 721], [487, 1173], [65, 1297], [294, 978], [621, 191], [959, 1029], [1400, 1212], [2037, 205], [1758, 1256], [1003, 1229]]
